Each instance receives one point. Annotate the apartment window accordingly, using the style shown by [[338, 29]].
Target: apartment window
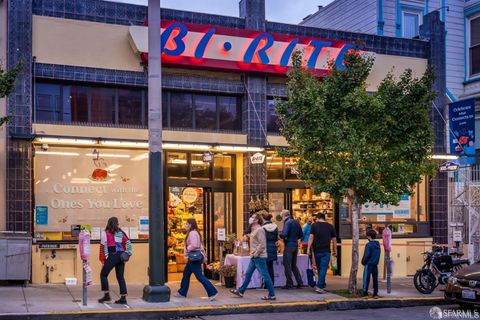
[[273, 121], [181, 111], [411, 23], [205, 112], [474, 46]]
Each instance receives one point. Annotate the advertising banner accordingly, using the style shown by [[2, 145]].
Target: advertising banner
[[462, 127]]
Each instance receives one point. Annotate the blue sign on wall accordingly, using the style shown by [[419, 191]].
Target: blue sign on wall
[[41, 215], [462, 127]]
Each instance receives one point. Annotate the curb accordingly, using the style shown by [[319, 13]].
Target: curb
[[169, 313]]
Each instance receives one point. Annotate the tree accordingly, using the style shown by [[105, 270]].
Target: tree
[[355, 145], [7, 84]]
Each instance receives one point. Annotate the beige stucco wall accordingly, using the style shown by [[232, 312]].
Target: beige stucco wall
[[138, 134], [3, 107]]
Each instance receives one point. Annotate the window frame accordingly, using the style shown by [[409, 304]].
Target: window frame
[[468, 47], [419, 15]]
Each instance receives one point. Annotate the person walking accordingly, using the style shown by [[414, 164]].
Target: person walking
[[195, 255], [114, 242], [306, 233], [291, 233], [258, 255], [322, 234], [271, 234], [371, 257]]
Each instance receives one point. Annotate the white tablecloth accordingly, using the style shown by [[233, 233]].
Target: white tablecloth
[[278, 269]]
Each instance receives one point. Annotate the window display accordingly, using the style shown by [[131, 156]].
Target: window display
[[306, 203]]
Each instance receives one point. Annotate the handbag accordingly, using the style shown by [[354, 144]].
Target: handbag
[[124, 257], [195, 256], [310, 274]]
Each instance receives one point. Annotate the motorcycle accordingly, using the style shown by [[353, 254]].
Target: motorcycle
[[438, 267]]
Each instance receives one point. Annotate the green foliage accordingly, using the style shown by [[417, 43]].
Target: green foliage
[[372, 147], [7, 84]]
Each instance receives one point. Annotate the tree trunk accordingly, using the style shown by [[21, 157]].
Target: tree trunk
[[352, 282]]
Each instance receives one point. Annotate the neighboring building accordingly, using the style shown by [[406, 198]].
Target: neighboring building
[[77, 144], [401, 18]]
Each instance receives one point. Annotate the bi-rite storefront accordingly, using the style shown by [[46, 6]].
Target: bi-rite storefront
[[76, 150]]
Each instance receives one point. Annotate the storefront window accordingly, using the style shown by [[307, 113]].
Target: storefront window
[[222, 167], [205, 112], [129, 106], [291, 172], [103, 105], [80, 186], [200, 169], [306, 203], [230, 117], [276, 203], [177, 166], [181, 111], [274, 167]]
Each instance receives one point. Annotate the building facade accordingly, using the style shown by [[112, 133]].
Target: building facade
[[76, 148]]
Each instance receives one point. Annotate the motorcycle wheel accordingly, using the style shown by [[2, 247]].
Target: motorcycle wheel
[[424, 281]]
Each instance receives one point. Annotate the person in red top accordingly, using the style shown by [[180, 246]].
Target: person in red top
[[113, 243]]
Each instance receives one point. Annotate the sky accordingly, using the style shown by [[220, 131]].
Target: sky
[[287, 11]]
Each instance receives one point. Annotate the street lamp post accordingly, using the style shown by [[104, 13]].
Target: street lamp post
[[156, 291]]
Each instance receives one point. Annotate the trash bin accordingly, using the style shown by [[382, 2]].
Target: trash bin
[[15, 255]]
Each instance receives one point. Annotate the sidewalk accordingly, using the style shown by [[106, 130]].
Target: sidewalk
[[60, 301]]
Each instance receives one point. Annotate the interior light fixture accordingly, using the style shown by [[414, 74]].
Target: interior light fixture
[[239, 149], [58, 153], [107, 155], [183, 146], [444, 157], [70, 141], [126, 144]]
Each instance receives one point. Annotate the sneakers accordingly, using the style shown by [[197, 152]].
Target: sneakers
[[376, 296], [122, 300], [237, 293], [287, 287], [364, 294], [211, 298], [269, 298], [178, 295], [105, 298], [319, 290]]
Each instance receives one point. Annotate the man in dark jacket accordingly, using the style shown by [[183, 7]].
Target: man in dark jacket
[[370, 260], [292, 232], [271, 233]]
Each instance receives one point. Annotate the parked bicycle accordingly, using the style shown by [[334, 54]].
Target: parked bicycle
[[438, 267]]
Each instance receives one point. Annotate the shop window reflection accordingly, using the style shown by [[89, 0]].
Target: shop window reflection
[[103, 105], [200, 169], [177, 166], [274, 167], [205, 112], [181, 111], [129, 106]]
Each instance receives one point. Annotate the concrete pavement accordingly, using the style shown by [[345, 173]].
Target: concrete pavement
[[50, 301]]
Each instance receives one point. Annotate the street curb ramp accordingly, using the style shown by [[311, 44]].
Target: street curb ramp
[[185, 312]]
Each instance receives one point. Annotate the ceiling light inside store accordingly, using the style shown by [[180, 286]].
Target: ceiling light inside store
[[140, 157], [126, 144], [107, 155], [181, 146], [238, 149], [58, 153]]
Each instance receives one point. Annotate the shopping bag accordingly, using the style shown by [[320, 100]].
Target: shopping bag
[[310, 274]]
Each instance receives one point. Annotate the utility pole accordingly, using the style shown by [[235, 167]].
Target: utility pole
[[156, 291]]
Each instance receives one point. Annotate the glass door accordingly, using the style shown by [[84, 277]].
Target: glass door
[[222, 218]]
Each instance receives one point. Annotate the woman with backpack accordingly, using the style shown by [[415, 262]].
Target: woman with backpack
[[271, 233], [115, 250], [195, 254]]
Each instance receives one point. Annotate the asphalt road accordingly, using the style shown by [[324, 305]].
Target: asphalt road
[[420, 313]]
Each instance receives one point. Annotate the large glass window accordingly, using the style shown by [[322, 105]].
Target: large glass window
[[229, 111], [410, 24], [79, 186], [181, 111], [129, 106], [274, 167], [273, 121], [205, 112], [177, 166], [200, 169], [223, 167], [78, 100], [474, 46], [103, 105], [49, 102]]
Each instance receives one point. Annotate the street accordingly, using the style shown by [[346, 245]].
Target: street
[[415, 313]]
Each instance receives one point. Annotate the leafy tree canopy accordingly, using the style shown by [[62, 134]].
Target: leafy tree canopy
[[352, 143], [7, 84]]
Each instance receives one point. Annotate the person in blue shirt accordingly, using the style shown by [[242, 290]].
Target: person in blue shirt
[[370, 260], [291, 233], [306, 233]]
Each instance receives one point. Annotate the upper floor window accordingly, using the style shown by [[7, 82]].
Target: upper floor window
[[411, 23], [474, 46], [273, 121]]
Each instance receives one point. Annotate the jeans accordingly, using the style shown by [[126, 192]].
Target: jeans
[[370, 270], [290, 262], [321, 260], [113, 261], [195, 267], [261, 265], [270, 271]]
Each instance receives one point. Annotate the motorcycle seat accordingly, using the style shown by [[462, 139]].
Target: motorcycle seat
[[460, 261]]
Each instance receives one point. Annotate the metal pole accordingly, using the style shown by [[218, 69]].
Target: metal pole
[[84, 291], [156, 291]]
